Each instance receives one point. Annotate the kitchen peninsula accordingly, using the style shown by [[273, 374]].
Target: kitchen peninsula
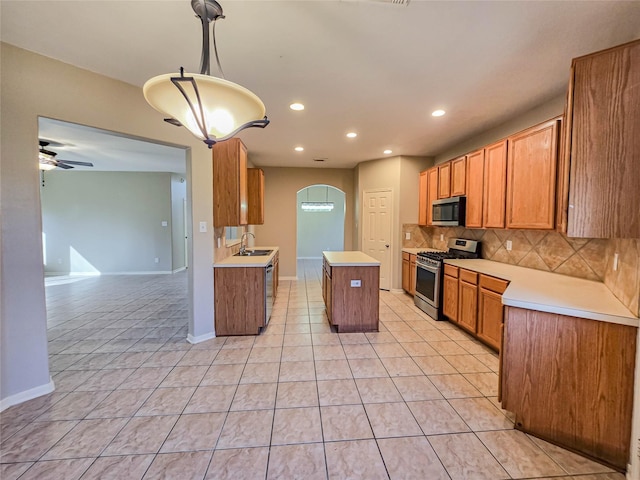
[[350, 288]]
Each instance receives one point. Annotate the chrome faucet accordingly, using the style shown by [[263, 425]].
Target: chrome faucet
[[243, 247]]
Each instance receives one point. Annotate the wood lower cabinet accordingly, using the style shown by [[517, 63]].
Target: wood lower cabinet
[[412, 274], [409, 273], [450, 293], [531, 182], [495, 185], [468, 300], [255, 196], [239, 300], [423, 206], [569, 380], [459, 176], [475, 188], [230, 205], [276, 274], [490, 310]]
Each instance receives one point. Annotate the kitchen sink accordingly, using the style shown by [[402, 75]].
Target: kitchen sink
[[254, 253]]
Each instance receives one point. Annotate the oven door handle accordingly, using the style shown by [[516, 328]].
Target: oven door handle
[[428, 268]]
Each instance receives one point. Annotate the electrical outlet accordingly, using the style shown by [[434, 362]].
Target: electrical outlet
[[203, 227], [615, 261], [165, 223], [407, 236], [442, 237], [509, 245], [356, 283], [157, 260]]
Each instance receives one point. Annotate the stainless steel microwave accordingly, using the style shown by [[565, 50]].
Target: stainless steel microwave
[[449, 212]]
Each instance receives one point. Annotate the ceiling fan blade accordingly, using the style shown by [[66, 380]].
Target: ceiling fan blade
[[72, 162], [62, 165]]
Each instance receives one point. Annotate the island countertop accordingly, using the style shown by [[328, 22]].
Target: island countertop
[[553, 293], [350, 259], [248, 261]]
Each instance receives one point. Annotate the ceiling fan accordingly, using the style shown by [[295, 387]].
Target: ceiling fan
[[48, 160]]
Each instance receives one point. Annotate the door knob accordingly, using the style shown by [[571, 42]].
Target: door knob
[[387, 245]]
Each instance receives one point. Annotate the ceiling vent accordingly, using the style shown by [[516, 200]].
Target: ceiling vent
[[392, 2]]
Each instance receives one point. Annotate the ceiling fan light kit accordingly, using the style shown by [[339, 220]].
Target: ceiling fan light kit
[[47, 159], [211, 108]]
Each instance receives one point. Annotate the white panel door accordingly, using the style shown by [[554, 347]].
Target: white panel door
[[376, 231]]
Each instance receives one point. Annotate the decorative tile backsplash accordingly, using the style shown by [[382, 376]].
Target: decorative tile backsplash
[[590, 258]]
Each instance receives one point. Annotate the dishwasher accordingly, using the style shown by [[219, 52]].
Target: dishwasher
[[268, 294]]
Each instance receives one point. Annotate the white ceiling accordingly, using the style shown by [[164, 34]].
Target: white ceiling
[[372, 67]]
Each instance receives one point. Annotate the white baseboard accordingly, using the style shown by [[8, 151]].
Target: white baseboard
[[97, 274], [27, 395], [293, 279], [309, 258], [200, 338], [396, 290], [181, 269]]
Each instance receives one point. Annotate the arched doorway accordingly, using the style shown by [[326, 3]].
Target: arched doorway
[[320, 225]]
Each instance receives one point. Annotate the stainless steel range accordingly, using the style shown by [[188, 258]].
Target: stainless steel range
[[429, 273]]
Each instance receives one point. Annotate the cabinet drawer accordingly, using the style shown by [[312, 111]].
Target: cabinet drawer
[[451, 270], [494, 284], [469, 277], [405, 255]]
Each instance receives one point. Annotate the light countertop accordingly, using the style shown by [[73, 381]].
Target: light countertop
[[554, 293], [248, 261], [350, 259]]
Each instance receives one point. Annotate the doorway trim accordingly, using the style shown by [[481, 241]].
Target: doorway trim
[[391, 225]]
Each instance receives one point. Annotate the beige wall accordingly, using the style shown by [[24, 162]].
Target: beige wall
[[281, 186], [401, 176], [32, 86], [539, 114]]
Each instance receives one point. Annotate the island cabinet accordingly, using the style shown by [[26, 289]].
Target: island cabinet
[[569, 380], [351, 283], [230, 205], [255, 196], [532, 161], [600, 174]]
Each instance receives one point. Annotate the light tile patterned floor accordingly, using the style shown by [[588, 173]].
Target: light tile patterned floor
[[134, 400]]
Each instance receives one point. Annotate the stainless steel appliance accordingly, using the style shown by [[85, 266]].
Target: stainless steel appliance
[[429, 273], [268, 294], [449, 212]]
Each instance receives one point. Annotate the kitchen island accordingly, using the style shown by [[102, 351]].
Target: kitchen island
[[350, 288]]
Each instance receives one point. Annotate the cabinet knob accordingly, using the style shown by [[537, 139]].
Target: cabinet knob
[[387, 245]]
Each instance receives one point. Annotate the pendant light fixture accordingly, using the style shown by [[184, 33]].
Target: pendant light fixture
[[212, 108]]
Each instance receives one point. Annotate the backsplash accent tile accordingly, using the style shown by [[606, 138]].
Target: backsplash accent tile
[[590, 258]]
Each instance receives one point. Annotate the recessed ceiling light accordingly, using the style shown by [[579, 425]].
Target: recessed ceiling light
[[438, 113], [296, 106], [387, 152], [299, 149], [352, 135]]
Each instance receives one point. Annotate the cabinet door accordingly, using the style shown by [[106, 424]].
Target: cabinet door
[[444, 180], [412, 275], [495, 185], [490, 317], [432, 192], [531, 183], [450, 298], [604, 150], [255, 196], [468, 309], [229, 183], [422, 199], [475, 182], [405, 274], [458, 177]]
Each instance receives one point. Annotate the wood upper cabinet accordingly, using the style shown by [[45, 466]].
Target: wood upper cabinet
[[475, 183], [468, 298], [531, 183], [432, 192], [603, 145], [423, 207], [495, 185], [229, 183], [444, 180], [490, 310], [255, 196], [459, 176]]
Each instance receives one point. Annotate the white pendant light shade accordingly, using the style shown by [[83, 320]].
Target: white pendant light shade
[[227, 107]]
